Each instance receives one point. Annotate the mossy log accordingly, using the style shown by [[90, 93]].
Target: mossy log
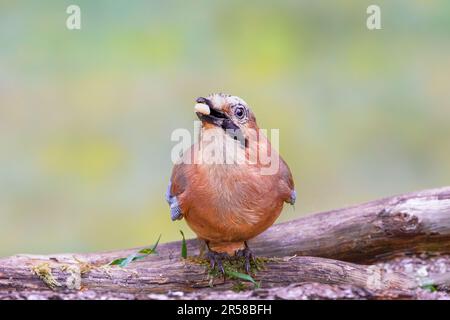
[[320, 248]]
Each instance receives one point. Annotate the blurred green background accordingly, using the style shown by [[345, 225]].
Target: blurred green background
[[86, 116]]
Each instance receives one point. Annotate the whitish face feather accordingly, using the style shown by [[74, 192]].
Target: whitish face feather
[[225, 111], [221, 100]]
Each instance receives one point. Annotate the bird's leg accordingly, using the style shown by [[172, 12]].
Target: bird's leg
[[216, 258], [202, 247], [247, 254]]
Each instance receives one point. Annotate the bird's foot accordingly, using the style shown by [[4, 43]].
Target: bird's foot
[[247, 254], [216, 259]]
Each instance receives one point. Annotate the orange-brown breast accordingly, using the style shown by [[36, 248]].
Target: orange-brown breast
[[227, 204], [231, 203]]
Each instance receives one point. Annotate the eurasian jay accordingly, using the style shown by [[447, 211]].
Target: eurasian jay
[[228, 203]]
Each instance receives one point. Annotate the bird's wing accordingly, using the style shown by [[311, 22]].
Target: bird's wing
[[177, 185], [287, 182]]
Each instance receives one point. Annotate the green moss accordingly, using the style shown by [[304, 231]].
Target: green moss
[[44, 272], [239, 286], [237, 265], [72, 273], [430, 287], [233, 268]]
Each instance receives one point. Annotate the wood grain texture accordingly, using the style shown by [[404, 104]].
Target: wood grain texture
[[154, 275], [309, 250]]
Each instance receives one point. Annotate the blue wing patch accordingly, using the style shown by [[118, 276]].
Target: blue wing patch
[[168, 193], [293, 197], [175, 210]]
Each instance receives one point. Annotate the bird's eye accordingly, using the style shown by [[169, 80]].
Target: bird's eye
[[239, 112]]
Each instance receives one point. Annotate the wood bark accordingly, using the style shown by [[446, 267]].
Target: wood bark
[[320, 248]]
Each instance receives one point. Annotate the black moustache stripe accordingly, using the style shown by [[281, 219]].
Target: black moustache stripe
[[227, 124], [234, 131]]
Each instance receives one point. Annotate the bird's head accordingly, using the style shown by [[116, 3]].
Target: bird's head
[[225, 111], [224, 115]]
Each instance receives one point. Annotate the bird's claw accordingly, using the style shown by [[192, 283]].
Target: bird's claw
[[216, 258], [247, 254]]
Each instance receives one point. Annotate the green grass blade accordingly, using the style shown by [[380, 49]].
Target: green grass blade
[[151, 250], [123, 262], [116, 262], [242, 276], [128, 259], [183, 246]]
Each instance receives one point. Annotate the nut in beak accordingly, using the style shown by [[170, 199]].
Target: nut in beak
[[202, 108]]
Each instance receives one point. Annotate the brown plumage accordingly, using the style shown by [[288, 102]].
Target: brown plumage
[[228, 203]]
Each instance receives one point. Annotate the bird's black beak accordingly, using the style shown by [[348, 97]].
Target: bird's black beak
[[217, 118], [214, 116], [205, 101]]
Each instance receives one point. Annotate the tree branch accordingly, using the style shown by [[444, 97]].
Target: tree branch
[[411, 223]]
